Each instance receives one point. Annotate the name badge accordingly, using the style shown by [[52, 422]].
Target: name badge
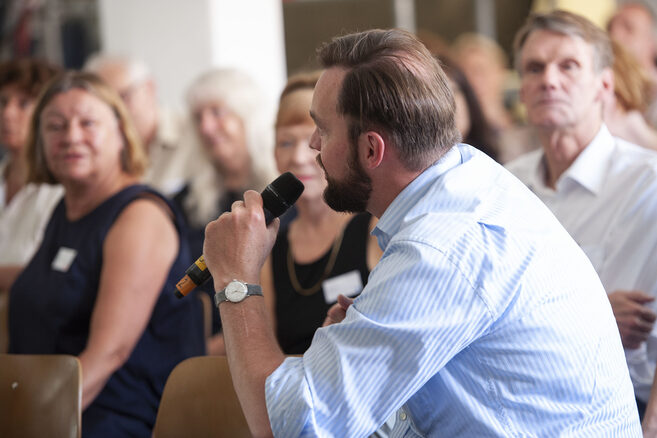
[[64, 259], [348, 284]]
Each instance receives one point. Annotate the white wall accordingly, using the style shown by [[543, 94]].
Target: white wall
[[181, 39]]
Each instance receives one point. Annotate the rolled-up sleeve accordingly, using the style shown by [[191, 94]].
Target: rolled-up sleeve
[[416, 312]]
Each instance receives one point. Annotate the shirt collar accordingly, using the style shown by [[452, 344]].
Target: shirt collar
[[590, 167], [396, 213], [588, 170]]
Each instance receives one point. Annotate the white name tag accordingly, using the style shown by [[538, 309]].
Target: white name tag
[[63, 260], [348, 284]]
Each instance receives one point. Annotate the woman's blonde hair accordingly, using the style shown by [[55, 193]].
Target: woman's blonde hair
[[133, 157], [631, 83]]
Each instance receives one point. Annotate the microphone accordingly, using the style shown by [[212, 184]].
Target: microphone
[[277, 197]]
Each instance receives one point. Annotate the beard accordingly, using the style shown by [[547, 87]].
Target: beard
[[352, 194]]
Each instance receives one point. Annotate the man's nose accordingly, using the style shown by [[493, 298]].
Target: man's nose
[[315, 142], [550, 76]]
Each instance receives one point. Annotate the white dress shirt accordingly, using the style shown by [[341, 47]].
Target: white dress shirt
[[607, 200], [483, 318]]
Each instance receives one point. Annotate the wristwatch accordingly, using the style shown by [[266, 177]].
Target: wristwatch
[[236, 291]]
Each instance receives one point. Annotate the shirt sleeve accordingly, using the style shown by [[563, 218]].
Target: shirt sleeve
[[416, 312]]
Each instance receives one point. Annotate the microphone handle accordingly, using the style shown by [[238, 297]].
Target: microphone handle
[[198, 273]]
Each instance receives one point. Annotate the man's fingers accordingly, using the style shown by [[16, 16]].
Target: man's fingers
[[345, 301], [639, 296], [252, 199], [632, 339], [647, 314], [641, 326], [334, 315]]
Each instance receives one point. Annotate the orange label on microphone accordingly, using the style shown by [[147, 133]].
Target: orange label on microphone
[[200, 262]]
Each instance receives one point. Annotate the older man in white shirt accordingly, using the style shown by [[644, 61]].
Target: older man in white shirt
[[601, 188]]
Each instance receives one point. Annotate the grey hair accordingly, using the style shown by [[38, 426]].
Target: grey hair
[[569, 24], [242, 96], [137, 69]]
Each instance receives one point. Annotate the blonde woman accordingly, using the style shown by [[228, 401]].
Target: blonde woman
[[99, 286]]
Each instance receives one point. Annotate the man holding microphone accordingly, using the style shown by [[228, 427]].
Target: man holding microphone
[[483, 316]]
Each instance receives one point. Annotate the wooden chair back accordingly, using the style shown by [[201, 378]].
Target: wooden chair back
[[40, 395], [199, 400]]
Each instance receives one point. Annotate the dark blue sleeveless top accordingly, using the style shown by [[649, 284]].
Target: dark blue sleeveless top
[[51, 308]]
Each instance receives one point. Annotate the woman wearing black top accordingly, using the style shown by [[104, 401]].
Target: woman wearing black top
[[322, 253]]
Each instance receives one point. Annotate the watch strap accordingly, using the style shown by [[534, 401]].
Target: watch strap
[[251, 289]]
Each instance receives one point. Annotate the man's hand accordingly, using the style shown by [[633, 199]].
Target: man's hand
[[338, 311], [237, 243], [634, 319]]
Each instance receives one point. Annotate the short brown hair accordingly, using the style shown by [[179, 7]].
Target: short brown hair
[[28, 75], [567, 23], [395, 85], [133, 157]]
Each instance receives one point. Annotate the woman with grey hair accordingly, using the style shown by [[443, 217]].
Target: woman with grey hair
[[235, 126]]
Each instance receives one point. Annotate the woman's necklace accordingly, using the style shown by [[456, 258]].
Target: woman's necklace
[[292, 273]]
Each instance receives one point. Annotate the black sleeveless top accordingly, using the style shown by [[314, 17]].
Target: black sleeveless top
[[298, 315], [52, 302]]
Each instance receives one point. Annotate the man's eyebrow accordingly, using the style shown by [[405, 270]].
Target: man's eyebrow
[[315, 119]]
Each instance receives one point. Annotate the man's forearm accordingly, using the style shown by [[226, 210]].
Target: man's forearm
[[253, 354]]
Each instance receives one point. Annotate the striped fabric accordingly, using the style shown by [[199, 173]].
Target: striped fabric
[[483, 318], [607, 201]]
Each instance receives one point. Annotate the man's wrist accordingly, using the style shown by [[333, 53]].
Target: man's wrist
[[236, 291], [222, 282]]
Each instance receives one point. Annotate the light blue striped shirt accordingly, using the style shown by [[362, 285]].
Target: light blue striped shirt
[[483, 318]]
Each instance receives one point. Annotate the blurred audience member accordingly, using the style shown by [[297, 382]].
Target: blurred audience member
[[24, 208], [235, 127], [433, 42], [602, 189], [99, 286], [321, 253], [172, 155], [634, 26], [485, 65], [470, 120], [624, 108]]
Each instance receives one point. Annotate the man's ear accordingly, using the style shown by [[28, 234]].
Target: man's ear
[[607, 80], [371, 149]]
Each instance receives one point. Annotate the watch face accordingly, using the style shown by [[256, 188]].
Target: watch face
[[236, 291]]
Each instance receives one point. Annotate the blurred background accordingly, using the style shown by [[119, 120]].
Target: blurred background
[[269, 39]]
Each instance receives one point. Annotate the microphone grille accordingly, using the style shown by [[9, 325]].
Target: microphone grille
[[282, 193]]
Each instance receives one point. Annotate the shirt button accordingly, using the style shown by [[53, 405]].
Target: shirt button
[[402, 416]]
